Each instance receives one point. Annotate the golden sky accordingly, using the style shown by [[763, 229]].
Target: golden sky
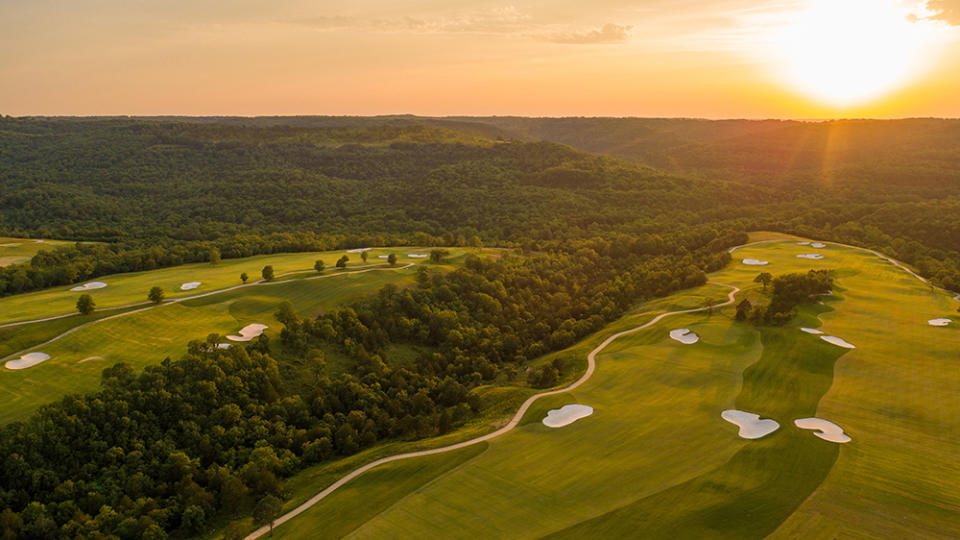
[[706, 58]]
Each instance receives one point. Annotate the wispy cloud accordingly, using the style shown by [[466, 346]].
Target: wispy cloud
[[504, 21], [947, 11], [608, 33]]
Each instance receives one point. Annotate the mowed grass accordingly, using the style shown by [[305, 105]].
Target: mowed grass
[[21, 250], [132, 288], [147, 337], [656, 460]]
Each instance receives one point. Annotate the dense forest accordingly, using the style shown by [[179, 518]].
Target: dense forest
[[171, 450]]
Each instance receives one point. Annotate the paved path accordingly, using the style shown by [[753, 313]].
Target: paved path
[[150, 305], [591, 367]]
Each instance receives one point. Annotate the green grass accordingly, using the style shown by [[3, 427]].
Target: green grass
[[656, 460], [21, 250], [147, 337], [132, 288]]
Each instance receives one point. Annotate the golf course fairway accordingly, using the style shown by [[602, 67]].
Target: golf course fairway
[[655, 459]]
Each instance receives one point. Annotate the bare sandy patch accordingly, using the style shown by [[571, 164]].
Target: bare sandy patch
[[803, 243], [358, 250], [818, 245], [839, 342], [566, 415], [249, 332], [89, 286], [755, 262], [28, 360], [684, 335], [824, 429], [417, 255], [751, 426], [939, 322], [812, 256], [813, 331], [190, 285]]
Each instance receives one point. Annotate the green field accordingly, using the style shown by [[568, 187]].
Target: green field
[[656, 460], [21, 250], [132, 287], [147, 337]]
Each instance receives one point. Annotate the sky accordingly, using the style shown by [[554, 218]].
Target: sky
[[662, 58]]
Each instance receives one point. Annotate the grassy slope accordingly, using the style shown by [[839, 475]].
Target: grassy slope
[[21, 250], [131, 288], [145, 338], [656, 457]]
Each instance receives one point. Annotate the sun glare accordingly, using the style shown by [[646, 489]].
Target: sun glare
[[848, 52]]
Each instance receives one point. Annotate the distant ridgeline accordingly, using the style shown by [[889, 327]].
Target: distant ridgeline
[[163, 191]]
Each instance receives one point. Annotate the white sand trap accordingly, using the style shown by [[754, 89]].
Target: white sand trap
[[818, 245], [751, 426], [28, 360], [755, 262], [813, 331], [684, 335], [248, 332], [566, 415], [803, 243], [939, 322], [90, 286], [224, 345], [839, 342], [825, 429], [814, 256], [190, 285], [383, 256], [417, 255], [358, 250]]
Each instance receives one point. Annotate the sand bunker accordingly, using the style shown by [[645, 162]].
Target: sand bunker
[[566, 415], [814, 256], [358, 250], [824, 429], [818, 245], [751, 426], [803, 243], [383, 256], [28, 360], [417, 255], [755, 262], [684, 335], [190, 285], [249, 332], [813, 331], [939, 322], [224, 345], [839, 342], [90, 286]]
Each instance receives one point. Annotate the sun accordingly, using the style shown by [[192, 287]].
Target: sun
[[848, 52]]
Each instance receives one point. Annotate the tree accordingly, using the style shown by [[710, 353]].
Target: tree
[[392, 259], [318, 266], [342, 262], [267, 273], [364, 255], [286, 314], [214, 256], [437, 255], [244, 277], [743, 310], [86, 305], [267, 511], [156, 295], [764, 278]]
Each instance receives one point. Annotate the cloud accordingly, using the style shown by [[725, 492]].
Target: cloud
[[500, 21], [608, 33], [947, 11]]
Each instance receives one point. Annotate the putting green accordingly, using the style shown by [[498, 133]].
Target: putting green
[[132, 288], [655, 459]]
